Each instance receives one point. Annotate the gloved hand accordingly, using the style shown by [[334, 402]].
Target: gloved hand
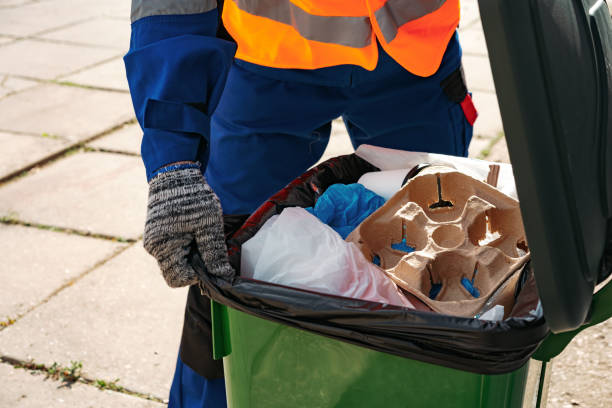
[[182, 208]]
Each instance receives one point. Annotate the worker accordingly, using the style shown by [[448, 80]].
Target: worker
[[235, 100]]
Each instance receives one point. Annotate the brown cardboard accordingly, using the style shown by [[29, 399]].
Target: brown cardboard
[[457, 225]]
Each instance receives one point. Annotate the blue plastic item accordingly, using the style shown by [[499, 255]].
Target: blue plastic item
[[344, 206]]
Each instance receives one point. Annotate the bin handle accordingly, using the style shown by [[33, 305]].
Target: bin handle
[[601, 310], [220, 330]]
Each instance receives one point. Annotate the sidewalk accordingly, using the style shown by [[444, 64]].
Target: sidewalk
[[78, 290]]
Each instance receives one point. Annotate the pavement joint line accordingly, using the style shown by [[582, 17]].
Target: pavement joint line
[[67, 25], [52, 158], [73, 43], [36, 34], [92, 87], [14, 319], [59, 81], [112, 151], [85, 68], [13, 6], [484, 153], [482, 90], [97, 383], [37, 84], [9, 220], [469, 24], [43, 135], [475, 54]]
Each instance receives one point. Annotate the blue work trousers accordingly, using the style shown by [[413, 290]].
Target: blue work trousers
[[271, 125]]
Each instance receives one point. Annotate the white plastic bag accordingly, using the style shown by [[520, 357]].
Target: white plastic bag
[[296, 249], [386, 183]]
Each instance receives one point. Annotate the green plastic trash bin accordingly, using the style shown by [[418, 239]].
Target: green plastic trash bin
[[552, 65]]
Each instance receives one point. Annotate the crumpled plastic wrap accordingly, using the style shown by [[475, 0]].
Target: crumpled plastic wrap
[[296, 249]]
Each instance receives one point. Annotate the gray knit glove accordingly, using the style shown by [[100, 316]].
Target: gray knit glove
[[182, 209]]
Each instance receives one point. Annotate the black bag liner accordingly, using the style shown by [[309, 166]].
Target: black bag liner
[[462, 343]]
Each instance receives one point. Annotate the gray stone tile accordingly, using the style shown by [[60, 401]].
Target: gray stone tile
[[20, 151], [9, 84], [473, 41], [67, 111], [36, 262], [97, 192], [110, 75], [108, 32], [125, 140], [127, 325], [489, 122], [478, 73], [26, 389], [41, 16], [46, 60]]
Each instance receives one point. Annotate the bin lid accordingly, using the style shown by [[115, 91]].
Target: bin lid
[[552, 65]]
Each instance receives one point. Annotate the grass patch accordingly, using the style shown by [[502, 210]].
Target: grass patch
[[486, 152], [109, 385], [71, 374], [49, 136], [67, 375]]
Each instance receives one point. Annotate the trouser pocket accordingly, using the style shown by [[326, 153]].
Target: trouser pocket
[[462, 113]]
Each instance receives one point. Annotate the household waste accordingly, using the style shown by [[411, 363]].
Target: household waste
[[453, 244], [466, 238], [296, 249]]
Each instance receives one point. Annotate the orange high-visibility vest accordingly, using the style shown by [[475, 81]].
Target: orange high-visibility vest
[[311, 34]]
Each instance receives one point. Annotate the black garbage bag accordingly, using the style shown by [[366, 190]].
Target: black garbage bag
[[462, 343]]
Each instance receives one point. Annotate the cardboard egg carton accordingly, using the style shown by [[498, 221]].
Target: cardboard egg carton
[[452, 241]]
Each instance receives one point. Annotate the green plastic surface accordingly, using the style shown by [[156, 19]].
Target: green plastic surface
[[601, 310], [550, 62], [271, 365]]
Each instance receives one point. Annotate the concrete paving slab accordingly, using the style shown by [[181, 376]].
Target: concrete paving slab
[[473, 41], [9, 84], [110, 75], [6, 40], [20, 151], [36, 262], [47, 60], [125, 140], [121, 321], [119, 9], [339, 142], [499, 152], [26, 389], [38, 17], [108, 32], [67, 111], [470, 14], [489, 122], [478, 73], [13, 3], [580, 373], [478, 144], [96, 192]]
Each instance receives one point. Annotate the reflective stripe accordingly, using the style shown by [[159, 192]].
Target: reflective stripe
[[395, 13], [353, 32], [146, 8]]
